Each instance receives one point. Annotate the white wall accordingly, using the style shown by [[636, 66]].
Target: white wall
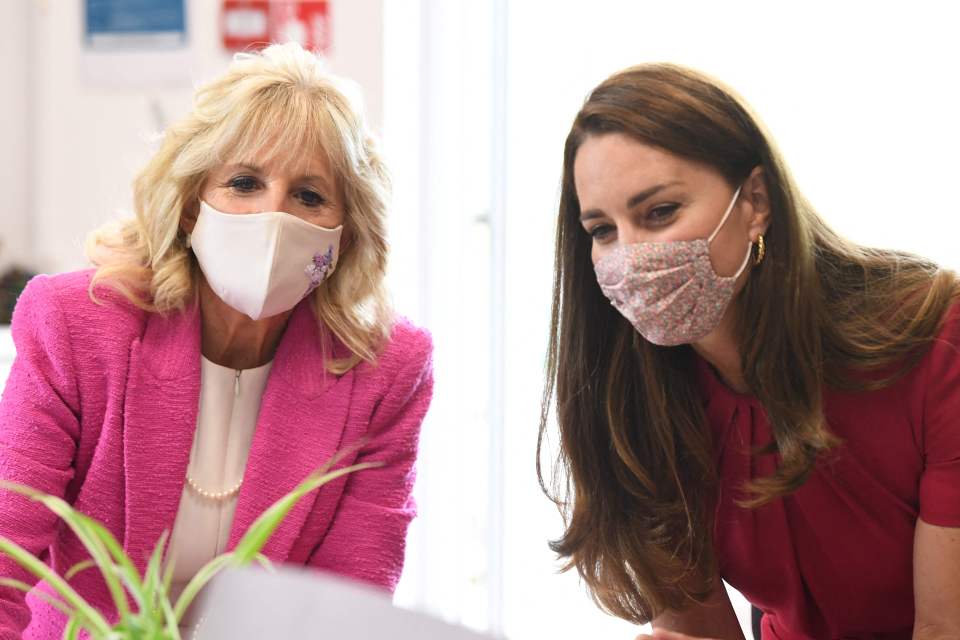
[[15, 66], [7, 354], [81, 141], [437, 139]]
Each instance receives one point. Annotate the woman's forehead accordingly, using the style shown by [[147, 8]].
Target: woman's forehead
[[282, 139]]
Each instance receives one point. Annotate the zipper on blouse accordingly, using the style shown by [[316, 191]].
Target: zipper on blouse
[[236, 383]]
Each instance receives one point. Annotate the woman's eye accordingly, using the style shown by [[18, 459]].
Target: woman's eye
[[311, 198], [600, 232], [662, 213], [244, 184]]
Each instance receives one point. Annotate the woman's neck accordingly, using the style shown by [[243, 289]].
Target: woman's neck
[[721, 350], [231, 339]]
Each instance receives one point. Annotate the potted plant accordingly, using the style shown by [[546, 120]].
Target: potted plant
[[151, 615]]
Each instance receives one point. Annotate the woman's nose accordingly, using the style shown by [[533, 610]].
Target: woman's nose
[[628, 233], [274, 197]]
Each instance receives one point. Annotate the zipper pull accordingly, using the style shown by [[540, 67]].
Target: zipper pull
[[236, 384]]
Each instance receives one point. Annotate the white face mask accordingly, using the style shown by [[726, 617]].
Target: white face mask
[[262, 264]]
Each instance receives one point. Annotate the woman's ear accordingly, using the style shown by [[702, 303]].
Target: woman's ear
[[755, 192]]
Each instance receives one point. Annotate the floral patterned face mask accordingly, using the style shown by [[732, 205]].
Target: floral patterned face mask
[[669, 291], [263, 264]]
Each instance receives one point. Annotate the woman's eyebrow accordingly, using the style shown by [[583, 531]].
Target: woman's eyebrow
[[632, 201], [245, 166], [322, 180], [638, 198]]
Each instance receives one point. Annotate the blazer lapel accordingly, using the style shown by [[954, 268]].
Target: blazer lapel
[[301, 423], [160, 417]]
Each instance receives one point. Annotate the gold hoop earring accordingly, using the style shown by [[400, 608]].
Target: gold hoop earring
[[761, 250]]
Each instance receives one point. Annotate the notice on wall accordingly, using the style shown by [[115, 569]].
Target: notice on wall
[[135, 24], [252, 24], [135, 44]]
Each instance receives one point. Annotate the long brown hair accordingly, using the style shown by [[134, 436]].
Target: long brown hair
[[635, 476]]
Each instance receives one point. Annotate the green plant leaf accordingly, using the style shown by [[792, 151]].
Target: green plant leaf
[[59, 605], [152, 583], [248, 548], [73, 617], [91, 617], [167, 581], [132, 582], [72, 630], [199, 581], [126, 569], [78, 523], [155, 619], [340, 455], [265, 562], [77, 568], [170, 618], [264, 526]]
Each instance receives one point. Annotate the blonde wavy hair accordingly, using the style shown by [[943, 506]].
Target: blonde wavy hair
[[279, 104]]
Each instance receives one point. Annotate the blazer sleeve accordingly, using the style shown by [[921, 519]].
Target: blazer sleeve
[[940, 481], [366, 539], [39, 429]]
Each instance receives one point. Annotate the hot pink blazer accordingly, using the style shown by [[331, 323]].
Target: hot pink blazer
[[101, 405]]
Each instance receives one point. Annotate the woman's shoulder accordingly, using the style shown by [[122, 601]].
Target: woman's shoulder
[[936, 371], [951, 323], [407, 351], [64, 299], [946, 346], [407, 342]]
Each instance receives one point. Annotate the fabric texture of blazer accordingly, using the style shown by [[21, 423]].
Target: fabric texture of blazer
[[101, 406]]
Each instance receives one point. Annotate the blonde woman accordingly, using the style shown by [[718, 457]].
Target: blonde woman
[[235, 334], [741, 393]]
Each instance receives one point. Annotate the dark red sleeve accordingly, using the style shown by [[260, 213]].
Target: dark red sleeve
[[940, 482]]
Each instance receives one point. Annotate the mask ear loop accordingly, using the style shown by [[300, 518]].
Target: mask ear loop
[[723, 221], [733, 201]]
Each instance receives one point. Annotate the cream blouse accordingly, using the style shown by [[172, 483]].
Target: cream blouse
[[226, 421]]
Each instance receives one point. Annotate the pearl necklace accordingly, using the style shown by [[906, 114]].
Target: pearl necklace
[[218, 495], [213, 495]]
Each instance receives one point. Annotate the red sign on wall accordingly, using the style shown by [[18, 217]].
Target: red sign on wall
[[245, 24], [253, 24]]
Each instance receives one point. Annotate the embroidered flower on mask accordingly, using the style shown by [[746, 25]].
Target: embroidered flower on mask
[[319, 268]]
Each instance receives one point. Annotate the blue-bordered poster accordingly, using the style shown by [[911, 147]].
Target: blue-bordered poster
[[134, 24]]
